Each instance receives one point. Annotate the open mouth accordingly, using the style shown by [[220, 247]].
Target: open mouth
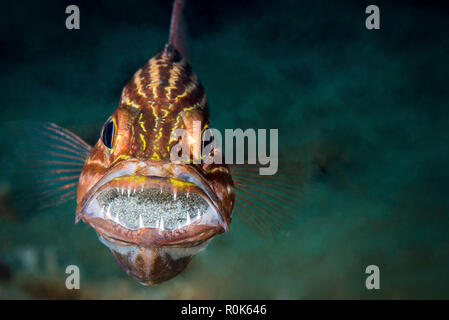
[[153, 210]]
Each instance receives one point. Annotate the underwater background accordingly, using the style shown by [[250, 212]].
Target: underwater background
[[365, 112]]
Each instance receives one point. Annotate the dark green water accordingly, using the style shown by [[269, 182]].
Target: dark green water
[[370, 108]]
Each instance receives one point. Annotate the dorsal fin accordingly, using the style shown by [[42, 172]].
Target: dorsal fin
[[177, 37]]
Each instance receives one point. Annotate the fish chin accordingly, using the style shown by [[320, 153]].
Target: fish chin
[[153, 218], [153, 265]]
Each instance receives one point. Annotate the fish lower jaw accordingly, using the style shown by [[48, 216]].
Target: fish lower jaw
[[152, 265]]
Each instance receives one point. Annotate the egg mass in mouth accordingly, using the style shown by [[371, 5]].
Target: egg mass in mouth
[[152, 208]]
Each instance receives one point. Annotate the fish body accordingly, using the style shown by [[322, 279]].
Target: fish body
[[152, 212], [176, 208]]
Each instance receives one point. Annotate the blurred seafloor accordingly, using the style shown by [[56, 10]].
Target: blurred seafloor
[[366, 111]]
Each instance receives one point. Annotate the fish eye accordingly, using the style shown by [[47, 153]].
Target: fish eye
[[108, 133]]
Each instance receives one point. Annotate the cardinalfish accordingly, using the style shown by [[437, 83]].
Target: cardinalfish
[[153, 214]]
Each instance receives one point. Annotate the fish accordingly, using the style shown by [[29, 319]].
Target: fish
[[152, 213]]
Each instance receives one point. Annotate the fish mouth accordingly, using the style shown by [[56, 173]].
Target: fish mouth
[[138, 203]]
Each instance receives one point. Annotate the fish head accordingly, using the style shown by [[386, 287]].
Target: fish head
[[152, 212]]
